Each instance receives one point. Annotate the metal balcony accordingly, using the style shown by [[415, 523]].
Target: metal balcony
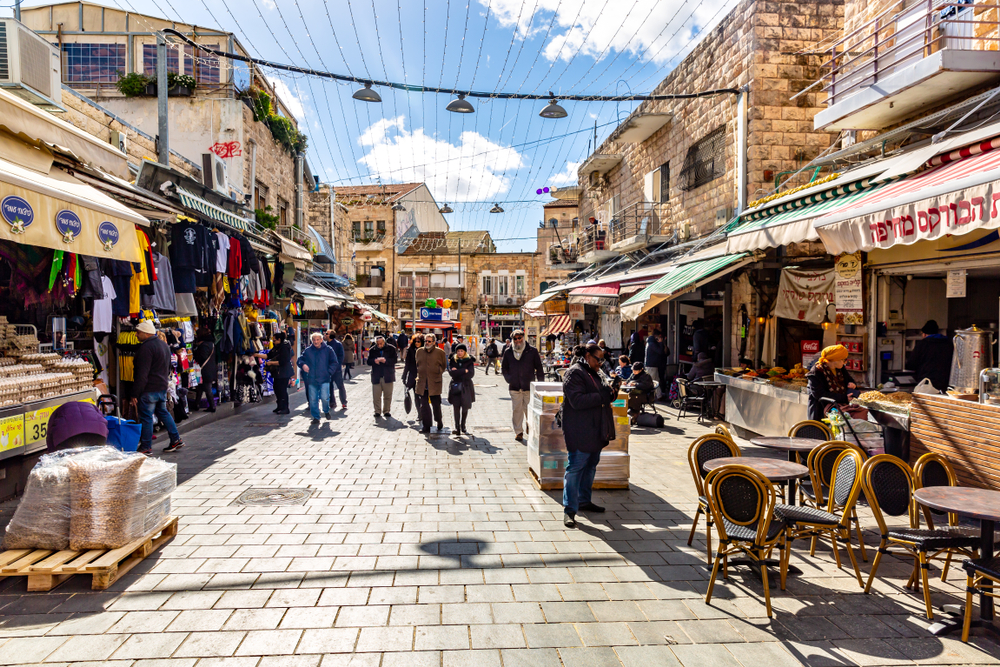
[[907, 59], [639, 225], [295, 234], [595, 246], [502, 300], [368, 242], [565, 257]]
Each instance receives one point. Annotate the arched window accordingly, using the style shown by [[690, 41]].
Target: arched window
[[544, 286]]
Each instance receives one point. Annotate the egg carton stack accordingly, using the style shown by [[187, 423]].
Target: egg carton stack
[[46, 359], [18, 345], [82, 371], [23, 383], [547, 455]]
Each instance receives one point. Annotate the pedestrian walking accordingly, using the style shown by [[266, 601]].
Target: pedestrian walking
[[402, 342], [279, 363], [410, 361], [348, 356], [492, 354], [337, 377], [151, 374], [461, 393], [431, 363], [319, 362], [382, 359], [588, 427], [204, 356], [637, 346], [655, 357], [520, 365]]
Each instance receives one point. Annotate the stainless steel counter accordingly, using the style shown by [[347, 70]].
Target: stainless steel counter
[[762, 408]]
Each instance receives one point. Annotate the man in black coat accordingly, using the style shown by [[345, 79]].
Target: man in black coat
[[492, 353], [521, 365], [382, 359], [931, 356], [150, 379]]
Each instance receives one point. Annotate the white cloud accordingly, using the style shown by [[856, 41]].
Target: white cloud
[[650, 29], [270, 4], [568, 175], [292, 101], [470, 170]]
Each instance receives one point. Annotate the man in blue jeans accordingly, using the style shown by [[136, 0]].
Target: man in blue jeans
[[319, 362], [149, 388]]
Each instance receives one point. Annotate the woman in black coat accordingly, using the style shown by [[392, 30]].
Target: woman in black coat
[[828, 379], [462, 368], [586, 411], [409, 377], [204, 356], [279, 364]]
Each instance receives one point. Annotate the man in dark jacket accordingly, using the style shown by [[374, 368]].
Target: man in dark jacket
[[641, 386], [520, 365], [337, 379], [654, 356], [492, 354], [149, 388], [931, 356], [319, 362], [204, 356], [382, 359], [637, 346]]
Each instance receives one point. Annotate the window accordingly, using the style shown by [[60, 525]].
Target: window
[[93, 63], [369, 230], [501, 282], [487, 285], [380, 227], [657, 185], [282, 212], [544, 286], [705, 160], [356, 230], [664, 183], [519, 285], [204, 67], [260, 196]]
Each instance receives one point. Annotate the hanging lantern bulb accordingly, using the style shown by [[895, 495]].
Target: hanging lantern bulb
[[446, 209], [398, 207], [366, 94], [460, 105], [496, 208], [553, 110]]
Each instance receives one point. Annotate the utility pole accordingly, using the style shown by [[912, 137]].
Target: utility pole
[[17, 9], [163, 138], [413, 293], [460, 283]]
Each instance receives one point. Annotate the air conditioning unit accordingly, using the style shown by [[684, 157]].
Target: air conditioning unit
[[684, 231], [29, 66], [595, 179], [119, 140], [214, 170], [510, 301]]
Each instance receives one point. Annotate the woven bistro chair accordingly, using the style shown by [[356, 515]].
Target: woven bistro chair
[[982, 576], [811, 429], [812, 493], [700, 452], [742, 501], [722, 429], [888, 484], [933, 469], [835, 520]]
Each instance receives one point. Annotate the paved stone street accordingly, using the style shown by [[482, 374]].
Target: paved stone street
[[419, 550]]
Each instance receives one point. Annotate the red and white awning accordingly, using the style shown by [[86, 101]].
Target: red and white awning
[[559, 324], [596, 295]]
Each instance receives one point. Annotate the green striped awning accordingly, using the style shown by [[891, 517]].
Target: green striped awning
[[216, 212], [679, 279]]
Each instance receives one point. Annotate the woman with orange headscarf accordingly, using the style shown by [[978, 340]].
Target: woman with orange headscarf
[[828, 379]]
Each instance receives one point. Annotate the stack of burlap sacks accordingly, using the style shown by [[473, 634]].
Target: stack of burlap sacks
[[547, 454], [91, 498]]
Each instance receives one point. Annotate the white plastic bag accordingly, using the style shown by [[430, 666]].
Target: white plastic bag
[[925, 387]]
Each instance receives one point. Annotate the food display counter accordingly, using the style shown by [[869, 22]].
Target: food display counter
[[23, 426], [965, 431], [763, 407]]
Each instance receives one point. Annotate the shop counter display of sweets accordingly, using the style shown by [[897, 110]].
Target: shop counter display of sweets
[[547, 455], [766, 402]]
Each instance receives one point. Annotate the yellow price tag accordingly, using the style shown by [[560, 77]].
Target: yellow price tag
[[11, 432]]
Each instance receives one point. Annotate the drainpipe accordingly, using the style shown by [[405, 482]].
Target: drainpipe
[[741, 149], [253, 173], [299, 160], [163, 138]]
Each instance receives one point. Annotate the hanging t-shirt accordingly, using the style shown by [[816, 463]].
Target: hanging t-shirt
[[222, 254], [102, 307], [163, 289], [187, 247], [101, 352]]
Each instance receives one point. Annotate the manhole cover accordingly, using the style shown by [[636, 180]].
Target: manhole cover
[[264, 497]]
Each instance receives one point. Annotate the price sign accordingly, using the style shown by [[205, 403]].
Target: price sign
[[11, 432], [36, 424]]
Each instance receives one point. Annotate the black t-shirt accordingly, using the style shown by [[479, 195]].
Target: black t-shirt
[[187, 246]]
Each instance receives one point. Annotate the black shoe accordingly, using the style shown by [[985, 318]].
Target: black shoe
[[174, 446], [315, 421], [276, 410], [426, 429], [457, 430], [378, 415], [386, 415], [569, 520], [326, 414], [465, 430], [282, 412], [440, 427], [591, 507], [519, 437], [147, 452]]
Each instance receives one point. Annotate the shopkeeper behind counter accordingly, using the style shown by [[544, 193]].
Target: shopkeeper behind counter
[[931, 356], [828, 379]]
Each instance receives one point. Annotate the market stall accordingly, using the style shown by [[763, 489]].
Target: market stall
[[763, 405]]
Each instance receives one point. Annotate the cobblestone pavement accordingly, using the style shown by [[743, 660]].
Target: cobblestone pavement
[[418, 550]]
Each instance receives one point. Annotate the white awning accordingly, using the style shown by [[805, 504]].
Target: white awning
[[294, 253]]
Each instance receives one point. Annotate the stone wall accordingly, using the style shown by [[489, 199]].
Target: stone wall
[[275, 167], [755, 44]]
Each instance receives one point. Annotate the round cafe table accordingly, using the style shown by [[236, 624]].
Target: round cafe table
[[981, 504], [794, 447]]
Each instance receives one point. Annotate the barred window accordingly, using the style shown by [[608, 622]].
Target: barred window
[[93, 63], [705, 160]]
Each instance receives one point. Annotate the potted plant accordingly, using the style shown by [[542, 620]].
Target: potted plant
[[265, 218], [180, 85], [133, 84]]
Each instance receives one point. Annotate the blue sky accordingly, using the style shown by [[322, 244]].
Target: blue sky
[[501, 153]]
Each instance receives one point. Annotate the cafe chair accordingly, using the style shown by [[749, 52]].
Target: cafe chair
[[933, 469], [688, 400], [742, 501], [835, 520], [982, 577], [812, 492], [722, 429], [700, 452], [811, 429], [888, 484]]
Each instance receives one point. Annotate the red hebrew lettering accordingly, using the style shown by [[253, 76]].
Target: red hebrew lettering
[[994, 197], [227, 149], [907, 225], [978, 210], [922, 223], [934, 218], [964, 219]]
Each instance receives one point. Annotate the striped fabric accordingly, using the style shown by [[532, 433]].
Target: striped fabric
[[967, 151], [557, 325], [808, 211], [215, 212]]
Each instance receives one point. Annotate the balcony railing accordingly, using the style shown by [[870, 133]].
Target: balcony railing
[[406, 293], [366, 239], [505, 299], [642, 218], [565, 254], [293, 233], [594, 239], [899, 37]]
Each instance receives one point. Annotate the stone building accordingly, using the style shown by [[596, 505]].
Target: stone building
[[557, 238], [213, 121], [328, 219]]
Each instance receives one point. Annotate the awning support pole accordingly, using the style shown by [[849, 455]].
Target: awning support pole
[[741, 149], [163, 129]]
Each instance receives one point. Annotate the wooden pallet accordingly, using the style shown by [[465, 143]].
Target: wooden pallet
[[556, 485], [47, 569]]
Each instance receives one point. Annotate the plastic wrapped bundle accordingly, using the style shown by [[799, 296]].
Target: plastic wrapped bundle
[[42, 518], [614, 467], [157, 480], [103, 502]]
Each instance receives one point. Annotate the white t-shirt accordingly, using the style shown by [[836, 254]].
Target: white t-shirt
[[102, 307], [222, 256]]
